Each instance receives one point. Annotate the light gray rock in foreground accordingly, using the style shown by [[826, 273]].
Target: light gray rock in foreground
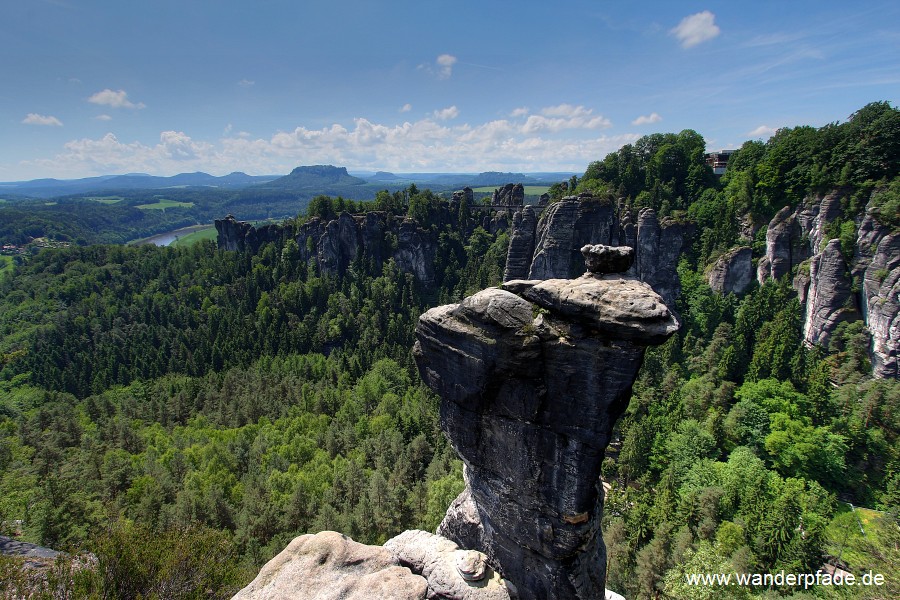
[[331, 566], [451, 572]]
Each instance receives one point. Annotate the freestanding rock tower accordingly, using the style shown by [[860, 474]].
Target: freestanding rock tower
[[532, 377]]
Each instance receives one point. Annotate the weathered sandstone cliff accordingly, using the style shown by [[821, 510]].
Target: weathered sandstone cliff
[[334, 244], [831, 290], [574, 221], [732, 273]]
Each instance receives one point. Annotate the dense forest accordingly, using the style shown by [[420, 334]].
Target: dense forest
[[220, 403]]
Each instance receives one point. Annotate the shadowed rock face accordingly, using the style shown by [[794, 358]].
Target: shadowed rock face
[[532, 377]]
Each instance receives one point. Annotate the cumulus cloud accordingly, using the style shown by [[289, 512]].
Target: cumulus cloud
[[647, 119], [406, 108], [246, 83], [442, 67], [451, 112], [103, 118], [763, 131], [519, 112], [445, 64], [565, 116], [114, 99], [560, 137], [36, 119], [696, 29]]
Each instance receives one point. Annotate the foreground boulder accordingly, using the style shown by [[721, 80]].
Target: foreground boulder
[[532, 377], [331, 566]]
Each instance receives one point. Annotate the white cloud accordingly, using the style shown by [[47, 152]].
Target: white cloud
[[564, 116], [565, 110], [246, 83], [567, 142], [445, 64], [451, 112], [696, 29], [406, 108], [519, 112], [114, 99], [103, 118], [36, 119], [647, 119], [763, 131]]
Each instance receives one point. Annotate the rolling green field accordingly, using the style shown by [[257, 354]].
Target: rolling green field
[[530, 190], [106, 199], [165, 203], [197, 236]]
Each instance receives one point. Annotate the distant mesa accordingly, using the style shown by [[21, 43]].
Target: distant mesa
[[318, 176], [384, 176]]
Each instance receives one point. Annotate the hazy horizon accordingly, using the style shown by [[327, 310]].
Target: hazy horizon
[[98, 87]]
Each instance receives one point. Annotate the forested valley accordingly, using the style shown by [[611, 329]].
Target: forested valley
[[160, 406]]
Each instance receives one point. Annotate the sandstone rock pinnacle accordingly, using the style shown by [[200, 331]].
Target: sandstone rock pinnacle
[[532, 377]]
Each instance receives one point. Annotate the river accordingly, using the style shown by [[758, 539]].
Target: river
[[164, 239]]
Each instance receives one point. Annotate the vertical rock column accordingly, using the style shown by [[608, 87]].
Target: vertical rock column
[[532, 377]]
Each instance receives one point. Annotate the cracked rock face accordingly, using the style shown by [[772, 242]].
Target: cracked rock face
[[532, 377]]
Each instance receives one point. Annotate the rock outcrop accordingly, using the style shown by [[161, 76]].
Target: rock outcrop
[[877, 265], [657, 248], [240, 235], [785, 247], [830, 300], [510, 195], [794, 236], [831, 290], [331, 566], [333, 245], [449, 571], [567, 225], [521, 244], [732, 273], [532, 377], [466, 194], [555, 241]]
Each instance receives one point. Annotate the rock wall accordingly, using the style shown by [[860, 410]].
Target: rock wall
[[521, 244], [567, 225], [335, 244], [532, 377], [510, 195], [877, 265], [732, 272], [831, 290], [830, 299]]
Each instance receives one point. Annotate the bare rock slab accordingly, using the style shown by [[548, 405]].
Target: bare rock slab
[[331, 566], [452, 573]]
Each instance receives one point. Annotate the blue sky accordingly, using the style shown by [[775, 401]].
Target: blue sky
[[163, 87]]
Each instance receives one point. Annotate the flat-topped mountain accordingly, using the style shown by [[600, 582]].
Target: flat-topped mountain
[[315, 176]]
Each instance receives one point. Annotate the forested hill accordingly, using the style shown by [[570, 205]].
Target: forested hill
[[220, 402]]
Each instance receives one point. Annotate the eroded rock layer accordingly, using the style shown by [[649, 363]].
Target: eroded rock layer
[[532, 377]]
